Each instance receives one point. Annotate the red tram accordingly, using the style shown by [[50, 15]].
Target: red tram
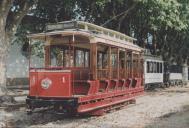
[[84, 69]]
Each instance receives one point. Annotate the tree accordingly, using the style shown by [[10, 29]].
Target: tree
[[14, 23], [166, 21], [11, 15]]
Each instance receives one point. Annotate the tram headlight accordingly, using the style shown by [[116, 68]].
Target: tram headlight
[[46, 83]]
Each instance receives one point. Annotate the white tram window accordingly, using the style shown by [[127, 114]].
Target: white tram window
[[154, 67], [151, 67]]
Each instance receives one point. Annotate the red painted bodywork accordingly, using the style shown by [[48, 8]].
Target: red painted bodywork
[[91, 95], [60, 87]]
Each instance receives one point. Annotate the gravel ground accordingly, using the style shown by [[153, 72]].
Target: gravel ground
[[158, 108]]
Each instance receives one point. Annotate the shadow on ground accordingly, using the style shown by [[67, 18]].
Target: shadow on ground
[[172, 120], [21, 119]]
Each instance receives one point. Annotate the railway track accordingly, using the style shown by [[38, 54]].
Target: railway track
[[13, 107]]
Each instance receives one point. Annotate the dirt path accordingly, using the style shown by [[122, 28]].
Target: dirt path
[[172, 120], [157, 107]]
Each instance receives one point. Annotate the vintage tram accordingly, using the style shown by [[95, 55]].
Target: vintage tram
[[153, 71], [82, 68], [158, 73]]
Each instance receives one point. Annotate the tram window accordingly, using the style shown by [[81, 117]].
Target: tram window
[[57, 56], [99, 60], [128, 64], [175, 69], [135, 65], [114, 57], [151, 67], [158, 70], [79, 58], [60, 58], [122, 59], [102, 56], [86, 59], [66, 58], [122, 63], [154, 67], [148, 67], [105, 61], [114, 60], [160, 67]]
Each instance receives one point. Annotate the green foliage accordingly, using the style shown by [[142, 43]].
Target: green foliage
[[37, 48], [166, 20]]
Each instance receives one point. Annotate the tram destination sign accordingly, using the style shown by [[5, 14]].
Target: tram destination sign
[[61, 26]]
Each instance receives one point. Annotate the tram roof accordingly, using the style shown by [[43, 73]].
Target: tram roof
[[88, 30]]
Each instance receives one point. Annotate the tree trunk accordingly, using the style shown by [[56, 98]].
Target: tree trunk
[[5, 42], [8, 25], [4, 45]]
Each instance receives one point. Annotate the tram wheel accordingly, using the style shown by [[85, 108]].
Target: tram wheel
[[146, 87]]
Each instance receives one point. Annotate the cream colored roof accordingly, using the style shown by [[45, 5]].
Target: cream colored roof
[[95, 34]]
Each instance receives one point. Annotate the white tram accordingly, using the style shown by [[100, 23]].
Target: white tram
[[153, 71]]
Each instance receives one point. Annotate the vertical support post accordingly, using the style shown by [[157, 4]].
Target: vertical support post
[[93, 60], [29, 55], [118, 63], [125, 66], [138, 65], [132, 64], [47, 56], [109, 63], [69, 63], [47, 52]]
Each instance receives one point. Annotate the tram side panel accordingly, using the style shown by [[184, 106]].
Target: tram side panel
[[153, 73], [176, 76]]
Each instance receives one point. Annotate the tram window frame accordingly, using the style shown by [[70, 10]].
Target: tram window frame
[[85, 63]]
